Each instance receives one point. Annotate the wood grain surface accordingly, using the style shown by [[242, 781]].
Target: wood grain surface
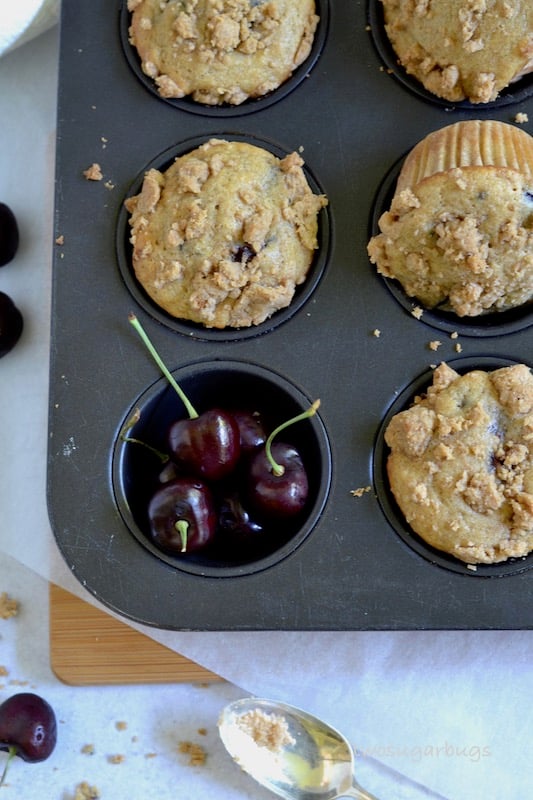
[[89, 647]]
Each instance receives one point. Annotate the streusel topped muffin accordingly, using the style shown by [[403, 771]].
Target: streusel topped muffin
[[221, 51], [462, 49], [459, 232], [225, 235], [461, 463]]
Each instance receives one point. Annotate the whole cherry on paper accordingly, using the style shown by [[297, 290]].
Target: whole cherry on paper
[[9, 235], [28, 728]]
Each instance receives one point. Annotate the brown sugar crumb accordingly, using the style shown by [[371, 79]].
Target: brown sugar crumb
[[118, 758], [60, 240], [196, 753], [434, 345], [521, 118], [267, 730], [93, 173], [3, 671], [121, 725], [360, 491], [8, 606], [86, 792], [202, 731], [88, 749]]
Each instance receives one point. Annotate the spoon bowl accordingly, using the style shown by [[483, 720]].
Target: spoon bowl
[[289, 751]]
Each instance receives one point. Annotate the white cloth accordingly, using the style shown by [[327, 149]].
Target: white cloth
[[22, 20]]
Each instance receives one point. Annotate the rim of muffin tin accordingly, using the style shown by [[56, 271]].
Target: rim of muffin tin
[[496, 323], [225, 379], [389, 506], [249, 106], [514, 93], [194, 330]]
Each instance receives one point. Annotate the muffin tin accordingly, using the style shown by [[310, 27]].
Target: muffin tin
[[349, 339]]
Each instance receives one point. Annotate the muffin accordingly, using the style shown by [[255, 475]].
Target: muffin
[[459, 233], [462, 49], [221, 51], [460, 465], [225, 235]]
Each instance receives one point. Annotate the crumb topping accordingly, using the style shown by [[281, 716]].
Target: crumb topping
[[463, 452], [270, 731]]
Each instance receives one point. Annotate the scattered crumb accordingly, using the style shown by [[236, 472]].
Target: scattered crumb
[[8, 606], [417, 312], [104, 141], [435, 344], [360, 491], [196, 753], [376, 332], [118, 758], [267, 730], [93, 173], [454, 335], [3, 671], [109, 185], [88, 749], [150, 755], [121, 725], [60, 240], [86, 792], [202, 731], [458, 348], [16, 682], [521, 117], [473, 567]]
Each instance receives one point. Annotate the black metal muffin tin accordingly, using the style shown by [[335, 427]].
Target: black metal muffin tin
[[353, 565]]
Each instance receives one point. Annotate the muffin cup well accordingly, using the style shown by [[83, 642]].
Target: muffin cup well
[[195, 330], [403, 400], [231, 385], [512, 94], [226, 109], [496, 323]]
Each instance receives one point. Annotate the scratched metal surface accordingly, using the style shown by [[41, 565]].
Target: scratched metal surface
[[357, 568]]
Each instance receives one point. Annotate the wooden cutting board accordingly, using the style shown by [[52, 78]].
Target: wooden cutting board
[[88, 647]]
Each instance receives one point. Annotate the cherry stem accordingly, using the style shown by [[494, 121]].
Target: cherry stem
[[12, 752], [182, 527], [128, 425], [193, 414], [279, 469]]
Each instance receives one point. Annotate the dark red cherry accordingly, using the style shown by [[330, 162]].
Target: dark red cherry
[[251, 429], [182, 516], [235, 523], [11, 324], [9, 235], [208, 445], [278, 495], [28, 728]]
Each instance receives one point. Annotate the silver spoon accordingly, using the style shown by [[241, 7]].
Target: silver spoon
[[292, 753]]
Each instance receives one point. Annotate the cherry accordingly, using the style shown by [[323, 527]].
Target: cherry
[[9, 235], [182, 516], [208, 443], [251, 429], [277, 484], [28, 728], [11, 324], [235, 523]]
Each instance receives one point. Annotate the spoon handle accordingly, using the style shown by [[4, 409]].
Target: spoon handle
[[359, 793]]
